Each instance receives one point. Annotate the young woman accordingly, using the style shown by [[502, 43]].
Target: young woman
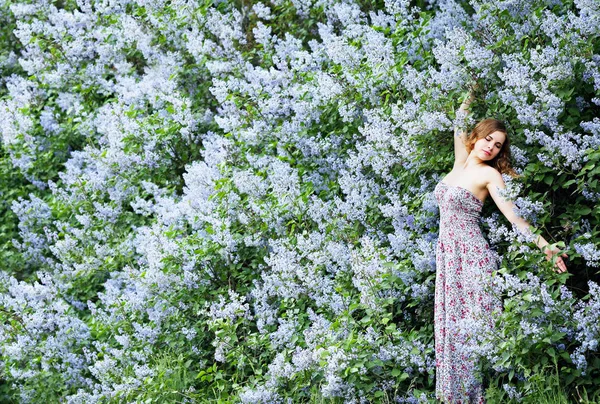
[[464, 261]]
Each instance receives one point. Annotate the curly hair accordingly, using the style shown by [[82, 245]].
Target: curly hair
[[502, 160]]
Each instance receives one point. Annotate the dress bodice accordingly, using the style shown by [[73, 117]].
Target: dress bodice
[[457, 205]]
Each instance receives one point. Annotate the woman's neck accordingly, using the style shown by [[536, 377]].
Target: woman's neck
[[473, 161]]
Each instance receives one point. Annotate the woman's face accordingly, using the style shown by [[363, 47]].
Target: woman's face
[[488, 147]]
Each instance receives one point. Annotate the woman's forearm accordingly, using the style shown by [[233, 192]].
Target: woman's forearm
[[459, 130]]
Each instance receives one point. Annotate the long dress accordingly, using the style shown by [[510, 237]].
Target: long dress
[[463, 302]]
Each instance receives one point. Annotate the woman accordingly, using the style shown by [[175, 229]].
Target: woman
[[464, 260]]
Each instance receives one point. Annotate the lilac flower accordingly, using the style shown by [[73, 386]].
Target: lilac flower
[[262, 34], [260, 395], [589, 252], [528, 210], [589, 17], [33, 215], [229, 311], [512, 392], [262, 11]]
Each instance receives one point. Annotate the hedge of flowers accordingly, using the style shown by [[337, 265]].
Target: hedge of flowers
[[232, 200]]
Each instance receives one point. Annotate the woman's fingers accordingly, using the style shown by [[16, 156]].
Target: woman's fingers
[[559, 263], [562, 267]]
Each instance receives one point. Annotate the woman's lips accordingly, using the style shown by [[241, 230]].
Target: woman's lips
[[487, 152]]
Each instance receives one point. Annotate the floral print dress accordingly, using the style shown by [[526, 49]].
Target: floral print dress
[[463, 301]]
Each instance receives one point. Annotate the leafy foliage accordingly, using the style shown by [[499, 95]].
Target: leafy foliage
[[232, 200]]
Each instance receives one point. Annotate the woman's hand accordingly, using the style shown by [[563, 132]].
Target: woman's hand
[[474, 86], [550, 252], [470, 97]]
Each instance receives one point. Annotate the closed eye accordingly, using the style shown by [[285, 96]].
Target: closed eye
[[489, 139]]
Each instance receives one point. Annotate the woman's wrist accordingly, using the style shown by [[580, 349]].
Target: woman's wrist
[[465, 106], [467, 101], [541, 243]]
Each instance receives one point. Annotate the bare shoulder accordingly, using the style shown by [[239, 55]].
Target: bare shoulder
[[491, 176]]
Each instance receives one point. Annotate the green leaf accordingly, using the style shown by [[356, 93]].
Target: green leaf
[[583, 210]]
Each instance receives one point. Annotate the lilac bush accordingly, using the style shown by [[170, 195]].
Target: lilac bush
[[234, 200]]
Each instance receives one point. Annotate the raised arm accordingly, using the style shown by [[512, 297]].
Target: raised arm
[[460, 136], [507, 207]]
